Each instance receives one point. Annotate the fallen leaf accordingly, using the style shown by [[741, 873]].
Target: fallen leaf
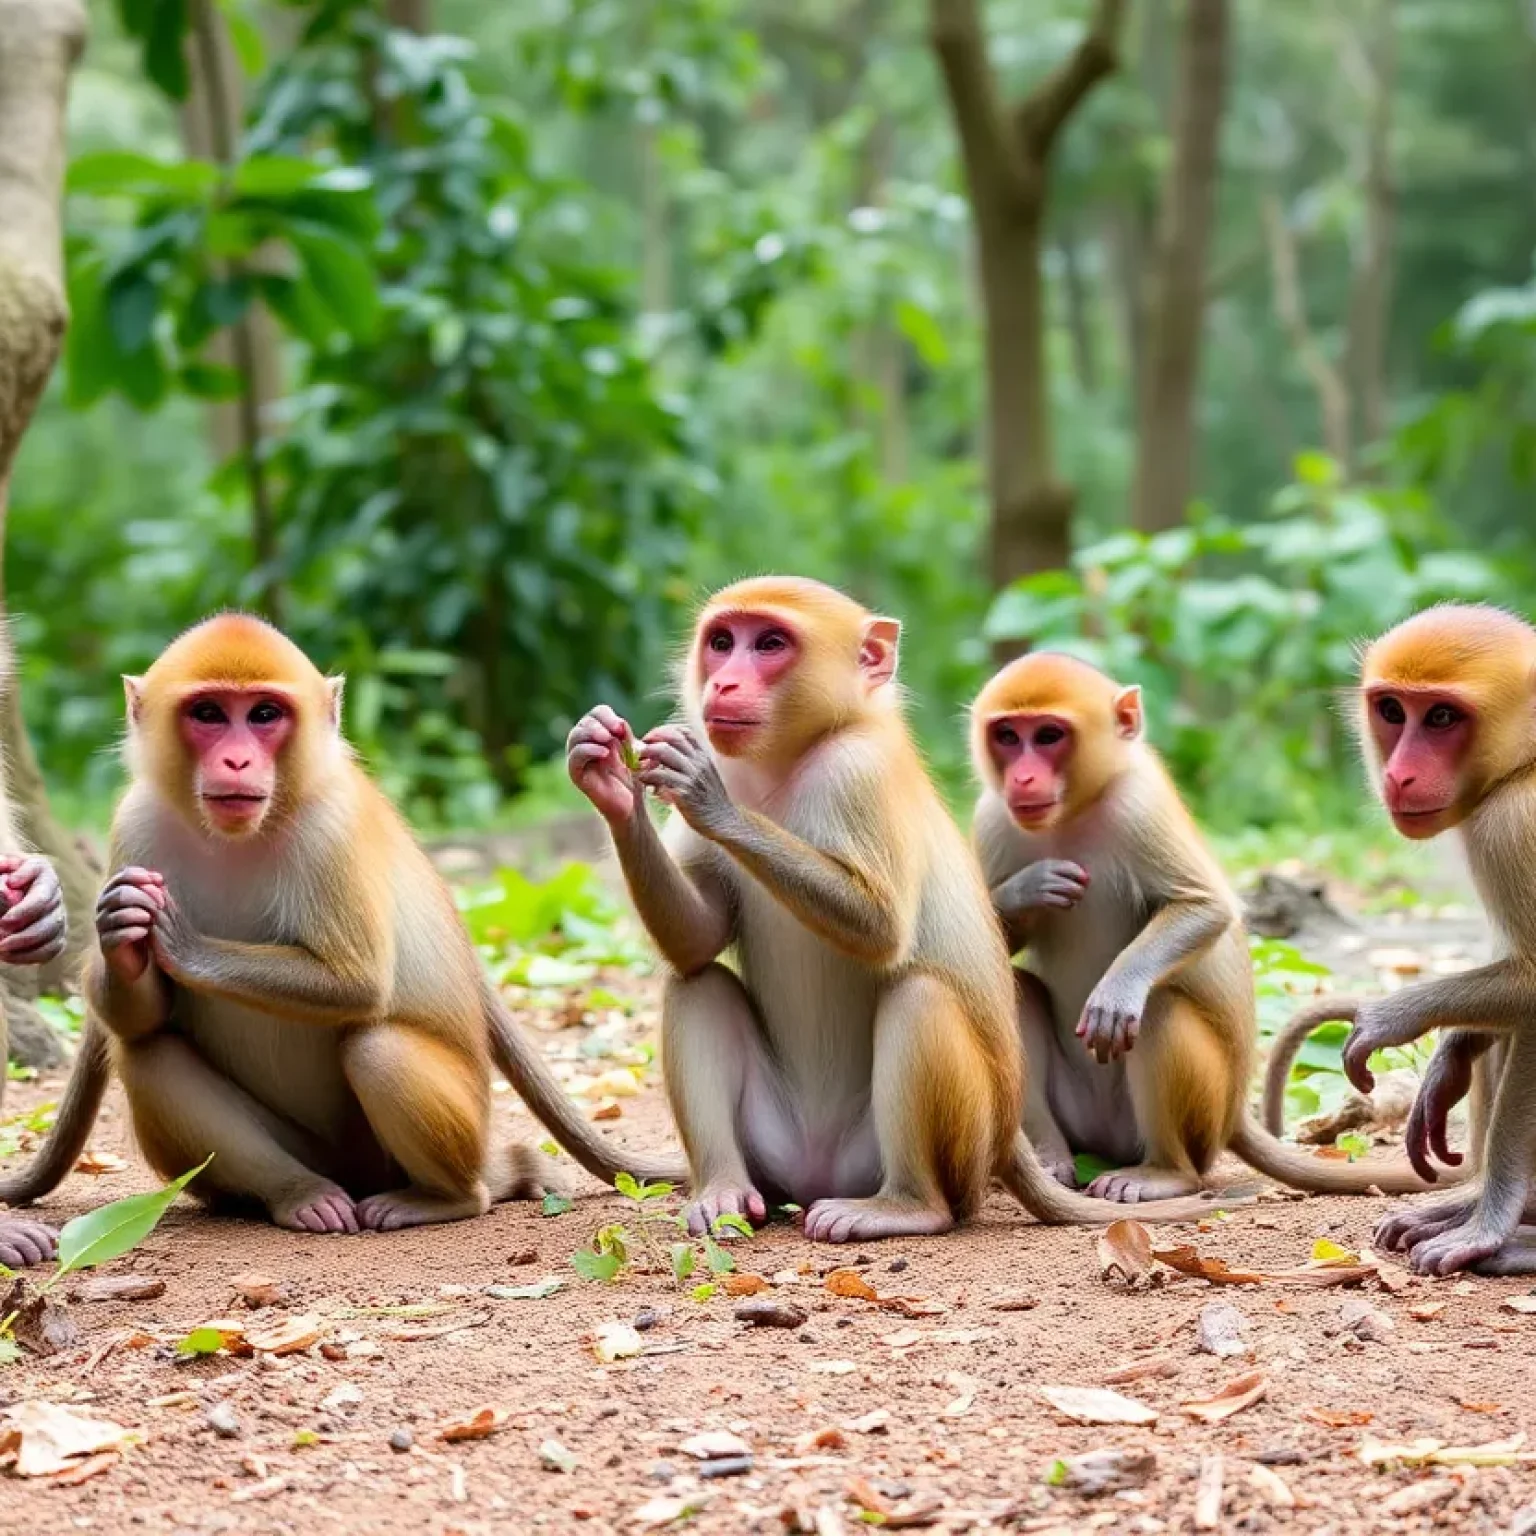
[[556, 1456], [1271, 1487], [1418, 1497], [1525, 1305], [1426, 1311], [1016, 1301], [480, 1425], [967, 1387], [914, 1306], [742, 1284], [1125, 1255], [83, 1471], [1097, 1405], [1189, 1261], [98, 1163], [1141, 1370], [828, 1439], [1208, 1494], [1496, 1453], [918, 1509], [1098, 1472], [619, 1083], [1338, 1418], [712, 1444], [831, 1367], [616, 1341], [1472, 1407], [849, 1282], [288, 1336], [875, 1422], [540, 1290], [43, 1438], [120, 1288], [257, 1290], [666, 1511], [609, 1109], [1326, 1251], [1239, 1393]]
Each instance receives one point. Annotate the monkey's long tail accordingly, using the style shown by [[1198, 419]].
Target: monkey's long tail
[[1282, 1054], [83, 1093], [1052, 1203], [526, 1071], [1289, 1165]]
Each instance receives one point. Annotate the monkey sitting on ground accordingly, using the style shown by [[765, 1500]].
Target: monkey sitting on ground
[[1137, 1012], [282, 979], [1448, 724], [859, 1056]]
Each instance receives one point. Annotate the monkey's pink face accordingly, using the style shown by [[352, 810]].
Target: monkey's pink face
[[1422, 735], [1031, 753], [744, 658], [234, 736]]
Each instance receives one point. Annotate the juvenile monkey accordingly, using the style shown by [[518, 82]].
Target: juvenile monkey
[[1137, 1010], [281, 978], [858, 1056], [1448, 722]]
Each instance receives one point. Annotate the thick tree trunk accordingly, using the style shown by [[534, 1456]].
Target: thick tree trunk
[[1006, 153], [1165, 438], [1079, 308], [40, 40]]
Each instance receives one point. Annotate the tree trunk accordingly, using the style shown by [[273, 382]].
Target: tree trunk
[[1165, 436], [1079, 305], [40, 41], [1006, 154]]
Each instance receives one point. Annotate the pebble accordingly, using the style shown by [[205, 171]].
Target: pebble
[[896, 1266], [661, 1472], [401, 1440], [222, 1421], [770, 1314], [726, 1466]]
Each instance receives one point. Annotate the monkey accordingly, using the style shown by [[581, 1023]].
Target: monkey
[[1137, 1011], [854, 1053], [280, 977], [1447, 722]]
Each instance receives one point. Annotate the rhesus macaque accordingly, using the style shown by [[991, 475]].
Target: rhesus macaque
[[858, 1056], [1448, 721], [1137, 1010], [32, 932], [282, 979]]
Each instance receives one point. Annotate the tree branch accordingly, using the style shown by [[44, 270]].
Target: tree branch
[[1042, 114], [960, 45]]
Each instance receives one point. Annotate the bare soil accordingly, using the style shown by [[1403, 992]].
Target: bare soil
[[938, 1415]]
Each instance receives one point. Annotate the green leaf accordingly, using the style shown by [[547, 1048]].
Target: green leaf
[[112, 1230], [557, 1205], [201, 1341], [246, 39], [627, 1186], [269, 176], [719, 1261], [705, 1291], [925, 333], [596, 1266], [538, 1291], [1088, 1167], [163, 34], [211, 381], [121, 170], [343, 277], [133, 301], [1353, 1143], [10, 1350], [1056, 1473], [304, 1439], [684, 1260], [730, 1221]]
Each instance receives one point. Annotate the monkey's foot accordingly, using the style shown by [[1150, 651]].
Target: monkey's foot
[[1411, 1225], [857, 1221], [324, 1208], [1458, 1248], [419, 1208], [1146, 1181], [24, 1242], [729, 1197]]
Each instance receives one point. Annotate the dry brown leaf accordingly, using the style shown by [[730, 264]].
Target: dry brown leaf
[[609, 1109], [849, 1282], [41, 1439], [1140, 1370], [480, 1425], [98, 1163], [828, 1439], [1325, 1272], [84, 1471], [914, 1306], [1525, 1305], [36, 1323], [1471, 1407], [1097, 1405], [287, 1336], [1125, 1255], [1426, 1311], [258, 1290], [875, 1422], [120, 1288], [1338, 1418], [1239, 1393], [742, 1285]]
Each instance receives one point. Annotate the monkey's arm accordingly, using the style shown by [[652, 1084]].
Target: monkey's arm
[[1045, 885], [686, 913], [1175, 934], [130, 1009]]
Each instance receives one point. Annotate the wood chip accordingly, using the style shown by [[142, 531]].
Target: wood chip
[[1208, 1494]]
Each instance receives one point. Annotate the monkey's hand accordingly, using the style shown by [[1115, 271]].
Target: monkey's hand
[[1377, 1025], [1446, 1083], [33, 929], [128, 911], [683, 772], [1112, 1018], [1045, 883], [596, 757]]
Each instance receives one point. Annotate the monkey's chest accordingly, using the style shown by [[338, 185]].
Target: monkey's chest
[[291, 1068]]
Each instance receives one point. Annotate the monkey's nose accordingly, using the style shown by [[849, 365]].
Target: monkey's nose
[[235, 767]]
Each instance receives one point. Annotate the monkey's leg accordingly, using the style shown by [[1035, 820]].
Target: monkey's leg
[[1508, 1166], [933, 1110], [1182, 1090], [1037, 1034], [22, 1240], [712, 1062], [183, 1110], [431, 1111], [1409, 1225]]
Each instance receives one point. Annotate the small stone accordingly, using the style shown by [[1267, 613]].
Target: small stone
[[222, 1421], [401, 1440], [661, 1472], [896, 1266], [1281, 1456], [1220, 1331], [726, 1466], [647, 1318], [523, 1257], [1360, 1319], [770, 1314]]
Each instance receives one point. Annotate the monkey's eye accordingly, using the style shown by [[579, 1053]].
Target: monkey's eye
[[720, 641], [773, 640], [1391, 710], [1442, 717], [206, 712], [265, 713], [1005, 735], [1049, 736]]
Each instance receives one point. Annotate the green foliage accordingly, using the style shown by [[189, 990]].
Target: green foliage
[[110, 1231], [615, 1246]]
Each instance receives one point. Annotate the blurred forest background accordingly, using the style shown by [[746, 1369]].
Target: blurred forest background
[[473, 341]]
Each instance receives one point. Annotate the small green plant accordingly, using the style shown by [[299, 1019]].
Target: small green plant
[[34, 1122], [100, 1236], [618, 1247]]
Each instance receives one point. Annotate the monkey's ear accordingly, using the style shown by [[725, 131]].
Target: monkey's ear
[[1129, 719], [335, 687], [878, 650], [133, 694]]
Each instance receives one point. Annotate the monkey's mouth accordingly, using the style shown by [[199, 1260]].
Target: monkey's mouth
[[1032, 810], [730, 723], [239, 802]]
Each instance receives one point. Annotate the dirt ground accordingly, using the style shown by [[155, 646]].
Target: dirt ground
[[932, 1414]]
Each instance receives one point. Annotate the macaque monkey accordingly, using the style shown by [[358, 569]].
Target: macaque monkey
[[1137, 1012], [281, 978], [857, 1055], [1448, 723]]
